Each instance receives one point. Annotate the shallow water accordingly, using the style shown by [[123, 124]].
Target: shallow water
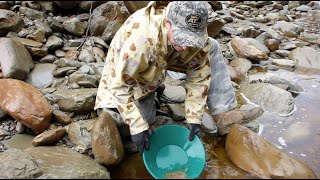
[[298, 135]]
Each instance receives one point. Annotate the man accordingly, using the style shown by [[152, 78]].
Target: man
[[157, 38]]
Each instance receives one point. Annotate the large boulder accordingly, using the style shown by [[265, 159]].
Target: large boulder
[[16, 62], [10, 21], [269, 97], [305, 58], [59, 162], [262, 159], [106, 141], [25, 103], [107, 19]]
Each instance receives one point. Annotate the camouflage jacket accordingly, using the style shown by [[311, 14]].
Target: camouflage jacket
[[136, 65]]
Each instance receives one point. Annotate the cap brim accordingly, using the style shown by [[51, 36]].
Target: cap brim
[[185, 37]]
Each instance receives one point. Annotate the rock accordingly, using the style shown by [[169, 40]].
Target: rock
[[15, 60], [41, 75], [75, 26], [286, 63], [37, 35], [62, 117], [176, 112], [269, 97], [25, 104], [58, 162], [87, 56], [107, 19], [16, 164], [76, 99], [282, 53], [54, 43], [10, 21], [244, 49], [272, 44], [85, 5], [305, 58], [288, 29], [242, 65], [173, 94], [49, 137], [32, 14], [235, 75], [262, 159], [106, 141], [79, 133]]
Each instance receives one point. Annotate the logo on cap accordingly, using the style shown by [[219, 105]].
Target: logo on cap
[[194, 20]]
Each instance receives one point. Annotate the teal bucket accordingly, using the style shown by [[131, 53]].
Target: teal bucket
[[171, 155]]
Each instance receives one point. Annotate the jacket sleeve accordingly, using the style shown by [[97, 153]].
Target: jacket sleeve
[[132, 60], [197, 85]]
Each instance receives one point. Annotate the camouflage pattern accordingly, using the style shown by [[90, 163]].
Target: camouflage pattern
[[136, 65], [189, 20]]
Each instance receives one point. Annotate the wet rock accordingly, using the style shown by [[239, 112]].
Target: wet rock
[[288, 29], [262, 159], [37, 35], [173, 94], [285, 63], [16, 164], [62, 117], [208, 123], [176, 111], [272, 44], [41, 75], [85, 5], [87, 56], [4, 5], [79, 133], [25, 104], [59, 53], [77, 77], [28, 42], [242, 65], [49, 138], [10, 21], [54, 43], [47, 6], [269, 97], [32, 14], [49, 58], [75, 26], [76, 99], [235, 75], [55, 25], [282, 53], [61, 72], [106, 141], [58, 162], [20, 128], [245, 49], [215, 27], [15, 60], [305, 58], [107, 19], [293, 4]]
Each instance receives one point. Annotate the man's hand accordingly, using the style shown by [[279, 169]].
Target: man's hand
[[195, 129], [141, 140]]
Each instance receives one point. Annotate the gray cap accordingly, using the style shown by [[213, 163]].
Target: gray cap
[[189, 20]]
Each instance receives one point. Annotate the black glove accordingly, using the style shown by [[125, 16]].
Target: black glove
[[195, 129], [141, 140]]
